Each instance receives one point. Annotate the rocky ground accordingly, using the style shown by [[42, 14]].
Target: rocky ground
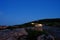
[[14, 34], [11, 34], [55, 31]]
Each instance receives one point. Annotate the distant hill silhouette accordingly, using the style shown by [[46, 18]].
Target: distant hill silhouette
[[55, 22], [46, 22]]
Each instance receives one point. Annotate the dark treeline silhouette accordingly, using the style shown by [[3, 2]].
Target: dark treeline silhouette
[[55, 22], [46, 22]]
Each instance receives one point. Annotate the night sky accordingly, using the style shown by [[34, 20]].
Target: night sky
[[20, 11]]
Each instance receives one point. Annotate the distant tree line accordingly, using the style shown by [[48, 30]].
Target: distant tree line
[[46, 22]]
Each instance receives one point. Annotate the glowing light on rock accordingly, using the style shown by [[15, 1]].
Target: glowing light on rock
[[38, 25]]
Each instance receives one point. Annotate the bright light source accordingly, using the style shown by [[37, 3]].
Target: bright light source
[[32, 23], [38, 25]]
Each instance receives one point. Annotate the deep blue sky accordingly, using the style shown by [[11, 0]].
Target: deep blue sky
[[20, 11]]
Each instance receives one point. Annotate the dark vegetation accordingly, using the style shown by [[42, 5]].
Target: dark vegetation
[[46, 22]]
